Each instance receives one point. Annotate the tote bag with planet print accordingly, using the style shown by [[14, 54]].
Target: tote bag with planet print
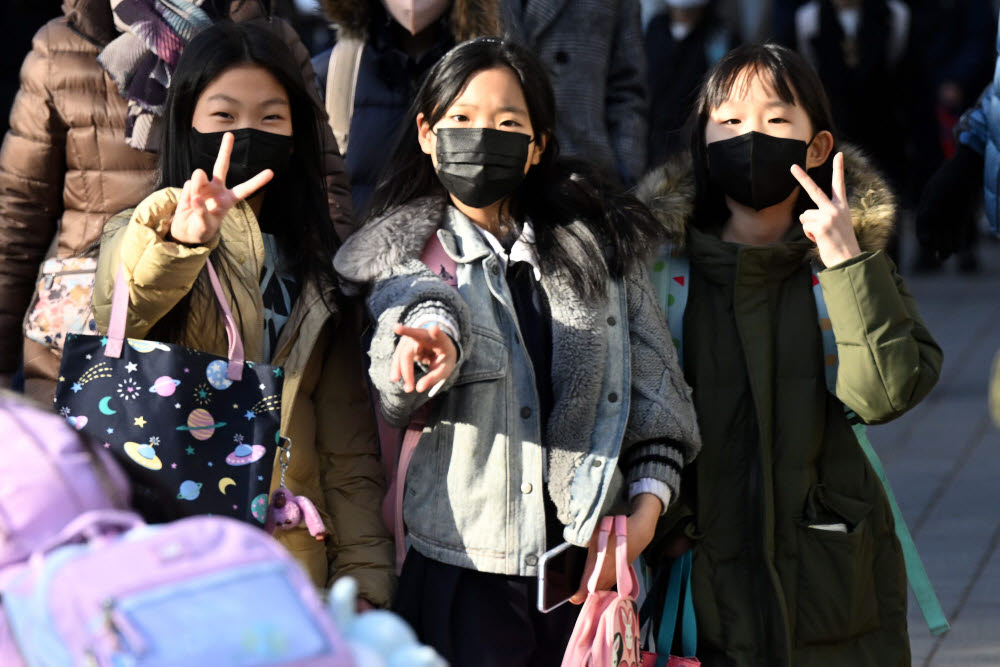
[[196, 433]]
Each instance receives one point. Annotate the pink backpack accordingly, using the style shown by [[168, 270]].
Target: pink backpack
[[607, 631], [398, 446], [205, 590], [48, 477]]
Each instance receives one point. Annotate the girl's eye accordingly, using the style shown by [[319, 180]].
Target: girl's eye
[[510, 122], [731, 121], [222, 114], [273, 116], [459, 118], [777, 121]]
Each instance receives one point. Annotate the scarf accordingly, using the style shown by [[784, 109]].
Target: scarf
[[142, 59]]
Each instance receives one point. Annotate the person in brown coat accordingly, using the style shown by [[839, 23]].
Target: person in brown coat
[[65, 167]]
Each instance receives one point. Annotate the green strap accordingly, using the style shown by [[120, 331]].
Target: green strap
[[678, 600], [930, 606]]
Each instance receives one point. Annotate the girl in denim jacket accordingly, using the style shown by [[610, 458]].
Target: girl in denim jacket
[[558, 395]]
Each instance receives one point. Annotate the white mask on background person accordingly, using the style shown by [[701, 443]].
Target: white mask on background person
[[680, 30], [850, 20], [415, 15]]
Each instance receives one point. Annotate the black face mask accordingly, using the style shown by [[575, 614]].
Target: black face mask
[[754, 169], [253, 152], [479, 165]]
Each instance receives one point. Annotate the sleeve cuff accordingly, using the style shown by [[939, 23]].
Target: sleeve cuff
[[653, 486]]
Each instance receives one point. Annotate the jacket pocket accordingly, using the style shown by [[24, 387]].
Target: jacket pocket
[[487, 360], [836, 592]]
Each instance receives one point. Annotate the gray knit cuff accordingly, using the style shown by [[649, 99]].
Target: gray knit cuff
[[428, 313], [654, 459]]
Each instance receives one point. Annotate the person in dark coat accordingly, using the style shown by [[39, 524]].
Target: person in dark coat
[[682, 43], [393, 62], [593, 51]]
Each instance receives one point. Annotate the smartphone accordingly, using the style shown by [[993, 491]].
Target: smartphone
[[559, 573]]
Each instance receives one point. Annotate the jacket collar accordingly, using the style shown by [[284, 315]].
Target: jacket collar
[[669, 192]]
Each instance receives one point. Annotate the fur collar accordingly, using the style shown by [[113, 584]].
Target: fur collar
[[469, 18], [389, 240], [669, 192]]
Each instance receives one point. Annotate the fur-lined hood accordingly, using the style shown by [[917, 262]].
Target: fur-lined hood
[[669, 193], [469, 18]]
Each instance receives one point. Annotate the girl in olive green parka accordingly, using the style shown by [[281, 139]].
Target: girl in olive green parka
[[796, 562]]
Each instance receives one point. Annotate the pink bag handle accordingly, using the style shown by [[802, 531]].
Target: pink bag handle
[[624, 575], [119, 311]]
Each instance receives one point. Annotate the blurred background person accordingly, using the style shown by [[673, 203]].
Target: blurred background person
[[683, 40], [384, 51], [593, 50]]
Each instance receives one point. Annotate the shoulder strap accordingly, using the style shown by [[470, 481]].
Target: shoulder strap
[[930, 606], [670, 274], [341, 84]]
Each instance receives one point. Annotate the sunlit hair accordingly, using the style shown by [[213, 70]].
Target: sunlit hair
[[787, 75]]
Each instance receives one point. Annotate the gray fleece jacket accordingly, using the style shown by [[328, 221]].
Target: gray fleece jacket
[[621, 411]]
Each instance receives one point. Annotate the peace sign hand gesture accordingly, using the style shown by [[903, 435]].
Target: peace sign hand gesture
[[204, 203], [829, 225]]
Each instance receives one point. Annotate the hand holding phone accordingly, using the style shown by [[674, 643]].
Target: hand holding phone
[[560, 571]]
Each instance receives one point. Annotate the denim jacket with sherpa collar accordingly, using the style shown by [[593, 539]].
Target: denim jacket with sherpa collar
[[621, 410]]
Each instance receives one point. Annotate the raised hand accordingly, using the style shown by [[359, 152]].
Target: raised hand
[[430, 347], [829, 225], [204, 203]]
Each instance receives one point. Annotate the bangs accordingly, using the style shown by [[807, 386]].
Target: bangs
[[732, 78]]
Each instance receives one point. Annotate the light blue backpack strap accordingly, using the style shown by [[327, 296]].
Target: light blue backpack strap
[[670, 274], [930, 606]]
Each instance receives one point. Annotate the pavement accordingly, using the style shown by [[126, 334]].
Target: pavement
[[943, 461]]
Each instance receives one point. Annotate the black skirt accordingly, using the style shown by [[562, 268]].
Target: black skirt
[[481, 619]]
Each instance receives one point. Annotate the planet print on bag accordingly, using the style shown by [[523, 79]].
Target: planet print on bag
[[216, 375], [258, 507], [144, 455], [146, 346], [246, 454], [189, 490], [201, 424], [164, 386]]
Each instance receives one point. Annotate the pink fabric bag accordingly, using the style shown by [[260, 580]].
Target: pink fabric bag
[[607, 631]]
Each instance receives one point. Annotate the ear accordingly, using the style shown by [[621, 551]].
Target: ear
[[424, 135], [819, 150], [537, 148]]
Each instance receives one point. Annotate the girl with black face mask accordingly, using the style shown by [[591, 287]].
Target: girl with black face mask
[[795, 557], [552, 392], [241, 187]]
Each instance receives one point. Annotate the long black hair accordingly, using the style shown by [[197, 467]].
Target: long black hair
[[585, 227], [295, 207], [791, 78]]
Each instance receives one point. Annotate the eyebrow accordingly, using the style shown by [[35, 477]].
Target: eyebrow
[[232, 100], [511, 109]]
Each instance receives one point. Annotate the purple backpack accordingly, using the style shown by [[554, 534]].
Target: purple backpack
[[205, 590], [49, 475]]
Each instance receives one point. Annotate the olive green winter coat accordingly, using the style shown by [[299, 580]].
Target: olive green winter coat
[[779, 455]]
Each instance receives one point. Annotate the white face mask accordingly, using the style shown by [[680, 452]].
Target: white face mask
[[415, 15], [680, 30]]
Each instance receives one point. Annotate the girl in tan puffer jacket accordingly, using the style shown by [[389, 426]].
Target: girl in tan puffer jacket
[[259, 214], [65, 167]]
